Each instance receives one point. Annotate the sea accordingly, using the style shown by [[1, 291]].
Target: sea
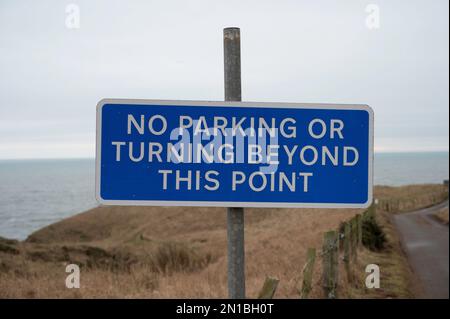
[[36, 193]]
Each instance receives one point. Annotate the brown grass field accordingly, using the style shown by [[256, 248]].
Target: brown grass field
[[442, 215], [179, 252]]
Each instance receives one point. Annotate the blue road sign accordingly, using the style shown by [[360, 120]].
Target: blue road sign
[[233, 154]]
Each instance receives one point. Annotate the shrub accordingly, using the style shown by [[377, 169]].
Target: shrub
[[174, 257], [373, 236]]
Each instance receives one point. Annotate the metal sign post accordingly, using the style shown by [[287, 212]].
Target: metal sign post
[[235, 215]]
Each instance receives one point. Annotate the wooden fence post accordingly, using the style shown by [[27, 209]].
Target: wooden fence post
[[347, 251], [269, 288], [307, 273], [330, 259], [354, 238], [360, 230]]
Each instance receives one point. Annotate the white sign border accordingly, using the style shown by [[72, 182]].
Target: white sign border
[[325, 106]]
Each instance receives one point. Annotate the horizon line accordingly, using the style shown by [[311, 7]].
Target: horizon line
[[93, 157]]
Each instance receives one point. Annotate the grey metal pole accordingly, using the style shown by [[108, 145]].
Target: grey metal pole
[[235, 215]]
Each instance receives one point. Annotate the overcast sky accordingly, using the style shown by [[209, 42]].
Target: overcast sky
[[52, 76]]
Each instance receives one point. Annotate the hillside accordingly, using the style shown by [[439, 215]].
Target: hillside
[[153, 252]]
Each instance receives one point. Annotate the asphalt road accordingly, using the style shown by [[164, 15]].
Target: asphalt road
[[426, 243]]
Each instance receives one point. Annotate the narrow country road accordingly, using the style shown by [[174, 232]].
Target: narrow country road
[[425, 241]]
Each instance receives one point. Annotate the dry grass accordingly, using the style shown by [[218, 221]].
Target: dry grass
[[407, 198], [442, 215], [396, 277], [160, 252]]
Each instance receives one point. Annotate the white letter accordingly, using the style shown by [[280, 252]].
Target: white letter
[[179, 179], [201, 126], [236, 126], [272, 154], [229, 156], [213, 180], [302, 155], [264, 181], [157, 153], [305, 180], [289, 153], [73, 280], [254, 150], [218, 126], [283, 179], [373, 280], [338, 129], [271, 130], [130, 152], [184, 118], [326, 152], [292, 129], [235, 181], [118, 145], [322, 133], [355, 151], [139, 127], [202, 153], [164, 124], [174, 155], [164, 172]]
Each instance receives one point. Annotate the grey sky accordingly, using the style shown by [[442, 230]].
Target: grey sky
[[52, 77]]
